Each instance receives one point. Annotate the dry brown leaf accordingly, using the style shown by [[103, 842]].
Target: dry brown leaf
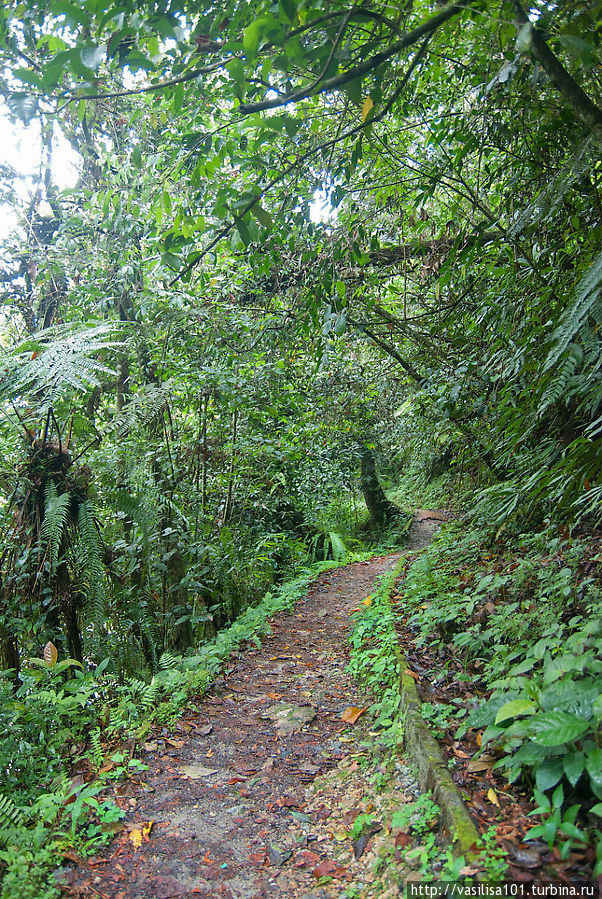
[[50, 654], [485, 763], [351, 714]]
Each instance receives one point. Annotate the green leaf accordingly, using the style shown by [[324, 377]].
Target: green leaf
[[578, 48], [261, 29], [597, 809], [340, 324], [92, 57], [515, 708], [289, 8], [24, 106], [354, 90], [555, 728], [73, 14], [243, 231], [28, 76], [574, 766], [548, 774], [593, 764], [236, 70], [262, 216]]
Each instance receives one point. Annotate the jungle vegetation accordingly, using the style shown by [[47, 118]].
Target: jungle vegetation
[[317, 252]]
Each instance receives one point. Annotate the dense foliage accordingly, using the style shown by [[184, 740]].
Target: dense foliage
[[313, 249]]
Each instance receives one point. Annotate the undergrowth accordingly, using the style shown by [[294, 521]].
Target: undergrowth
[[524, 617], [61, 712]]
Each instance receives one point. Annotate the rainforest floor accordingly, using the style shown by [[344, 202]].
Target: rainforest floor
[[259, 792]]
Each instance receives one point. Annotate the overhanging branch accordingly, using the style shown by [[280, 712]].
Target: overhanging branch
[[427, 29]]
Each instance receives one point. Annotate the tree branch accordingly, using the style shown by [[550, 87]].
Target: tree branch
[[427, 29], [583, 107], [223, 232], [418, 248], [71, 94]]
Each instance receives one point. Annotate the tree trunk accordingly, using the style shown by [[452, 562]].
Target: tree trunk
[[379, 507]]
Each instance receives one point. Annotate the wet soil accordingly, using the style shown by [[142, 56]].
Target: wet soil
[[256, 793]]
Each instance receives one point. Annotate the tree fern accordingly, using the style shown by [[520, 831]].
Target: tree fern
[[56, 512], [56, 360]]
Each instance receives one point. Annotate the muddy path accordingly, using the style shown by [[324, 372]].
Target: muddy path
[[255, 794]]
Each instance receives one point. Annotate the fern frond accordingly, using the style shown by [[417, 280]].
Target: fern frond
[[339, 550], [56, 512], [586, 296], [557, 386], [145, 694], [56, 360], [168, 661], [96, 748], [12, 819], [92, 569]]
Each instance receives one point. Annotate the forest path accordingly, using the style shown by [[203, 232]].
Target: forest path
[[249, 800]]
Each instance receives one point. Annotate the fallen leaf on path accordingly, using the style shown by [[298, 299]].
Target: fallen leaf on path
[[137, 837], [461, 754], [403, 839], [468, 871], [412, 674], [485, 763], [205, 730], [367, 602], [328, 868], [289, 719], [525, 858], [351, 714], [197, 771], [177, 744], [278, 856], [492, 797], [307, 857]]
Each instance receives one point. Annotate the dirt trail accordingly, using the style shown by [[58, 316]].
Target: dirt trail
[[248, 798]]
